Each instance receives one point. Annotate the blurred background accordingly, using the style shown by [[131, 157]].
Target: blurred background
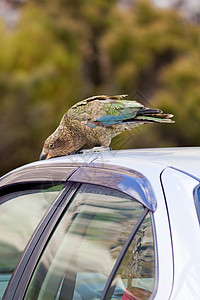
[[55, 53]]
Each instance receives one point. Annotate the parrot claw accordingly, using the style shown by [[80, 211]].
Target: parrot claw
[[95, 149], [74, 152]]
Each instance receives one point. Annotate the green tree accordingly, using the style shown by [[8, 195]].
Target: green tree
[[38, 76], [63, 51], [154, 56]]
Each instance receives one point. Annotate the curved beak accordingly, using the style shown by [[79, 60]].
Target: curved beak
[[43, 155]]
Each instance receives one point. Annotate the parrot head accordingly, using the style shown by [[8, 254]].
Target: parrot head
[[59, 143]]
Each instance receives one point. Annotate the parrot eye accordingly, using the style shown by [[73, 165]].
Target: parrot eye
[[51, 146]]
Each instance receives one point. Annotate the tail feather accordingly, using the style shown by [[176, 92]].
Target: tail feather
[[165, 118], [148, 111], [150, 116]]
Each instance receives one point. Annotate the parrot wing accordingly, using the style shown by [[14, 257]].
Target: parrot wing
[[104, 110], [110, 110], [100, 97]]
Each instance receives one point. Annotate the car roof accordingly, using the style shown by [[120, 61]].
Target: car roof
[[146, 161], [145, 165], [185, 159], [150, 161]]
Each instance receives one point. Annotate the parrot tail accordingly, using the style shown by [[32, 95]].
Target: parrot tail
[[148, 115]]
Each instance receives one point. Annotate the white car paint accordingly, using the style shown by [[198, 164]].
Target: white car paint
[[173, 174]]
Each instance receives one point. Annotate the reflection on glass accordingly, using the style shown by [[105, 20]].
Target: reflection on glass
[[81, 254], [135, 276], [20, 212]]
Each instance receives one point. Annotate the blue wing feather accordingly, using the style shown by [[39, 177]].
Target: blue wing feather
[[119, 111]]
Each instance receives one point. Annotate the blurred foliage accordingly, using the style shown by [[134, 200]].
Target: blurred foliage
[[63, 51]]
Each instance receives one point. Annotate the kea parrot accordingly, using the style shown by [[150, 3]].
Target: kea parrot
[[93, 122]]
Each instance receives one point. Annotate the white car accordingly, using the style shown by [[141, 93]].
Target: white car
[[111, 225]]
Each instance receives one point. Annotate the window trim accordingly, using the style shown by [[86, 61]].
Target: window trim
[[119, 178], [197, 201], [39, 173]]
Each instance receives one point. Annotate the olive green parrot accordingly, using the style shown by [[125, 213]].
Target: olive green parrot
[[94, 121]]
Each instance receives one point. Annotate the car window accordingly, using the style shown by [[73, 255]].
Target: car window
[[136, 273], [20, 212], [81, 253]]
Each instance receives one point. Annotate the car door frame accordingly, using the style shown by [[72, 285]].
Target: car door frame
[[119, 178]]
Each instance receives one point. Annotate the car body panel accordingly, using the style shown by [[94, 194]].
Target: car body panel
[[161, 167], [184, 223]]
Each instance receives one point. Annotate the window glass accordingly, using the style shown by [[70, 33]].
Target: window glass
[[83, 249], [136, 273], [20, 212]]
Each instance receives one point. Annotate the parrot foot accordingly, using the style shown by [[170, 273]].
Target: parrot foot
[[95, 149]]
